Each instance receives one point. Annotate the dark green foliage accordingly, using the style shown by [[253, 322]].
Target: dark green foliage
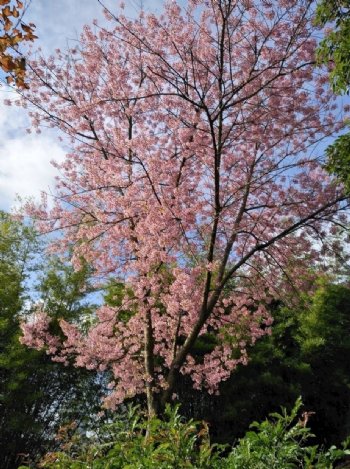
[[133, 442], [271, 379], [334, 50], [307, 354], [17, 249], [338, 159], [36, 395], [325, 345], [335, 47]]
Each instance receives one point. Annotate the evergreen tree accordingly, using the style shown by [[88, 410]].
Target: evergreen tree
[[37, 395]]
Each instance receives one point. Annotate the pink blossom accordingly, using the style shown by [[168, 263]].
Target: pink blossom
[[193, 176]]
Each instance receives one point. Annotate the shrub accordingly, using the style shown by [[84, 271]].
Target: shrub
[[281, 442], [133, 442]]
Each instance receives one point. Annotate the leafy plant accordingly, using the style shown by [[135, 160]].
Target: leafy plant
[[133, 442], [281, 442]]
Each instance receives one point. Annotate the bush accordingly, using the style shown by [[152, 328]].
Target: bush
[[133, 442], [282, 442]]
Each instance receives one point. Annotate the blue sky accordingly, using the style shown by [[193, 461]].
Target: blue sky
[[25, 158]]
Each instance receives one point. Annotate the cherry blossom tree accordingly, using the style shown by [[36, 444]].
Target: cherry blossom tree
[[194, 178]]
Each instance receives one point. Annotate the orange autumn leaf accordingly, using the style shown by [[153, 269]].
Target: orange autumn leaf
[[7, 63], [11, 37], [8, 25], [26, 28], [6, 11]]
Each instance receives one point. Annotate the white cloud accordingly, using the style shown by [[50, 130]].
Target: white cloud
[[25, 167]]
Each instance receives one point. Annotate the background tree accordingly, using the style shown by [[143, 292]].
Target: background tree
[[194, 178], [334, 51], [305, 355], [324, 340], [13, 32], [338, 160], [36, 395], [335, 47]]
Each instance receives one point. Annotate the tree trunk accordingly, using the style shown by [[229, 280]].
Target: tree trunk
[[152, 406]]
